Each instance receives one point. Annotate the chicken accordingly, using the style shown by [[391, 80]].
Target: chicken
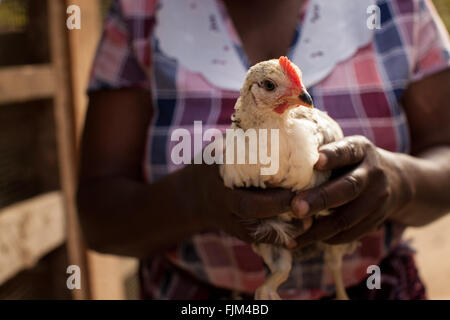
[[274, 97]]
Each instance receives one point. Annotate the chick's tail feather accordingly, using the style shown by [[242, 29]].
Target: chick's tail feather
[[277, 230]]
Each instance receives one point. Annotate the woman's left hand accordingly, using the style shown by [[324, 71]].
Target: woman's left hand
[[372, 189]]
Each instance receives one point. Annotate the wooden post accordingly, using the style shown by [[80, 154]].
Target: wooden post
[[66, 138], [106, 271], [83, 44]]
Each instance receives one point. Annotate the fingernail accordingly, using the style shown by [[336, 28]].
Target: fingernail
[[322, 161], [291, 244], [301, 208]]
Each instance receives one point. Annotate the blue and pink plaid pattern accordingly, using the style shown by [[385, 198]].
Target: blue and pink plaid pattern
[[362, 93]]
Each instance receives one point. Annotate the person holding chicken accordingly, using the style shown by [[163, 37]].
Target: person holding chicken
[[164, 64]]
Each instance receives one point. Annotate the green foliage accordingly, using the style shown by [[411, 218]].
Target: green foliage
[[443, 8], [105, 6], [13, 15]]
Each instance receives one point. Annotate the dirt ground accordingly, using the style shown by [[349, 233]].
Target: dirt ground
[[432, 244]]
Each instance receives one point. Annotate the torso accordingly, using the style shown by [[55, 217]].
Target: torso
[[362, 93], [361, 105]]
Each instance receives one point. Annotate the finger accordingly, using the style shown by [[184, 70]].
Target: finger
[[342, 219], [332, 194], [301, 225], [345, 152], [358, 231], [240, 230], [260, 203]]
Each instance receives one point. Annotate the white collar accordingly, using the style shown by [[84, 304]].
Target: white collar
[[193, 33], [332, 32]]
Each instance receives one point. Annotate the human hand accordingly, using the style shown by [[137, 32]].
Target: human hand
[[235, 211], [371, 190]]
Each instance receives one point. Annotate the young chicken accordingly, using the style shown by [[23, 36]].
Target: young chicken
[[273, 97]]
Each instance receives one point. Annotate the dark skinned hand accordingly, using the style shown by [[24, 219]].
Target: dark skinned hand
[[236, 211], [371, 188]]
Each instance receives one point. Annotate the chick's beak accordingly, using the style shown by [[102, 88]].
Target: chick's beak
[[306, 99], [300, 97]]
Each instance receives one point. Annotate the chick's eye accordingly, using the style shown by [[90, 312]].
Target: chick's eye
[[268, 85]]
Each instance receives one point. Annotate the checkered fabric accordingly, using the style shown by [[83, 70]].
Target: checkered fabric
[[362, 93]]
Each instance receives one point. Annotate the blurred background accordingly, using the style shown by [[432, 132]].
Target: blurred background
[[44, 70]]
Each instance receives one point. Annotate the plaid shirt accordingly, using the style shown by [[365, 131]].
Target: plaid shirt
[[362, 93]]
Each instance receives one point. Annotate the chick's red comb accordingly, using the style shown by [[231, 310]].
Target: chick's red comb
[[290, 70]]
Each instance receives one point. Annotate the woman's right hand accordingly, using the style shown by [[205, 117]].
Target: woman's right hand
[[233, 210]]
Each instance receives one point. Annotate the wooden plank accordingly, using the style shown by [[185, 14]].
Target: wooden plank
[[29, 230], [65, 128], [24, 83]]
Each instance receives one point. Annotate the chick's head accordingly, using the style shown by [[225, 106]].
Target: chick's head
[[276, 85]]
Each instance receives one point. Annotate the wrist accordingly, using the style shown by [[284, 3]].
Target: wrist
[[407, 176], [405, 184]]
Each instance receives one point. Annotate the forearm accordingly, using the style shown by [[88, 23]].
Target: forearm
[[127, 217], [428, 174]]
